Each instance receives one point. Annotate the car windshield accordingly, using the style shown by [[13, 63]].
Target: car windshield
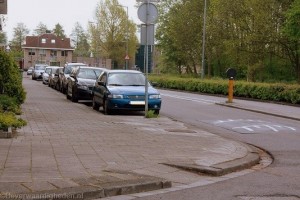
[[48, 70], [69, 68], [40, 67], [126, 79], [89, 73]]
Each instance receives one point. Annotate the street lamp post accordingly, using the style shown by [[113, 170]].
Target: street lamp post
[[203, 41], [127, 36]]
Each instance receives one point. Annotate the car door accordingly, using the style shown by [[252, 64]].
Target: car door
[[71, 81], [99, 89]]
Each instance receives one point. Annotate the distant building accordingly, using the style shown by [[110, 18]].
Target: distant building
[[47, 49]]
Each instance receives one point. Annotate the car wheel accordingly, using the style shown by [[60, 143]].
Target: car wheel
[[156, 112], [106, 108], [74, 96], [95, 105]]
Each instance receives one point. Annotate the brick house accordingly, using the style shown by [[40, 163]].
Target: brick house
[[47, 49]]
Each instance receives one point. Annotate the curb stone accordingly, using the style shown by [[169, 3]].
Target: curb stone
[[97, 187], [221, 169]]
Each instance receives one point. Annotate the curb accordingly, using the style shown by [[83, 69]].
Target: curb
[[89, 189], [251, 159], [257, 111]]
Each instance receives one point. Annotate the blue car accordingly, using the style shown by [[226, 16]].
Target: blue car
[[124, 90]]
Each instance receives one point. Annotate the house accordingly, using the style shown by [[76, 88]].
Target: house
[[47, 49]]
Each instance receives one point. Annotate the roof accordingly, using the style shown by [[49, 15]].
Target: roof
[[47, 41]]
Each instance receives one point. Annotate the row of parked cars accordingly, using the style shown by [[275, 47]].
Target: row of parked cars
[[111, 89]]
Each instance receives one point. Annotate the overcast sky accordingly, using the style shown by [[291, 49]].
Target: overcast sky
[[51, 12]]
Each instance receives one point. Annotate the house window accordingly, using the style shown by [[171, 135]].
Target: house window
[[43, 40], [31, 52], [64, 53], [53, 53], [52, 41], [42, 52]]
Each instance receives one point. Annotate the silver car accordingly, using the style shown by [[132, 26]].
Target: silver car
[[65, 74], [38, 71]]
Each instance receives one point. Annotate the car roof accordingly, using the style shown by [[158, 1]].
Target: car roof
[[124, 71], [76, 64]]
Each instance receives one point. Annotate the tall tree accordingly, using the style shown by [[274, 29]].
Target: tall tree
[[292, 31], [59, 31], [110, 31], [40, 29], [80, 41], [19, 34]]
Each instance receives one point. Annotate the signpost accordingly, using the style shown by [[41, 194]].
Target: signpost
[[147, 13]]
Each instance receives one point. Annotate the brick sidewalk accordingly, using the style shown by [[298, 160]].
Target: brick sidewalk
[[65, 143]]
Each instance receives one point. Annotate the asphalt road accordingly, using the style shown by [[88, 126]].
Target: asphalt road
[[279, 136]]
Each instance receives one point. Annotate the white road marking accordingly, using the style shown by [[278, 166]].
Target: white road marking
[[206, 101], [250, 125]]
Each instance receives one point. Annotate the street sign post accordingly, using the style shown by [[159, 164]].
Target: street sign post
[[147, 13]]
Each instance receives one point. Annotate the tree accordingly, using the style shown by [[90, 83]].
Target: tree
[[292, 32], [3, 38], [19, 34], [41, 29], [80, 41], [59, 31], [245, 35], [109, 33]]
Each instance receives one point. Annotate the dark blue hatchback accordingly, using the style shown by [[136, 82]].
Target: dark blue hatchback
[[124, 90]]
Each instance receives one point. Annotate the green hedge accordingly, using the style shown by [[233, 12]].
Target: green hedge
[[289, 93]]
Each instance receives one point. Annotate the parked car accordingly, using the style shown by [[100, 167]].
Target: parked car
[[29, 71], [81, 82], [38, 71], [124, 90], [45, 76], [53, 76], [63, 77]]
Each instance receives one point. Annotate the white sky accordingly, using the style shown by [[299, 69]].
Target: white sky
[[51, 12]]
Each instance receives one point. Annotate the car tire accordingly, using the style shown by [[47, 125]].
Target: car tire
[[95, 105], [156, 112], [74, 97], [106, 110]]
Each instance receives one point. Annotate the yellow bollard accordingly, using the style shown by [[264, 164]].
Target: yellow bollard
[[230, 91]]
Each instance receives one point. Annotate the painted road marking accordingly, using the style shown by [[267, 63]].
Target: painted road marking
[[206, 101], [250, 125]]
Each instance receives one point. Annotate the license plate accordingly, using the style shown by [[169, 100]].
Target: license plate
[[137, 102]]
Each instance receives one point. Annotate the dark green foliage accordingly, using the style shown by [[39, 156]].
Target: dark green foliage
[[9, 104], [289, 93], [10, 79], [12, 93]]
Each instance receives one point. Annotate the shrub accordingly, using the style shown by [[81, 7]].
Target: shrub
[[9, 104], [8, 119], [10, 79]]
